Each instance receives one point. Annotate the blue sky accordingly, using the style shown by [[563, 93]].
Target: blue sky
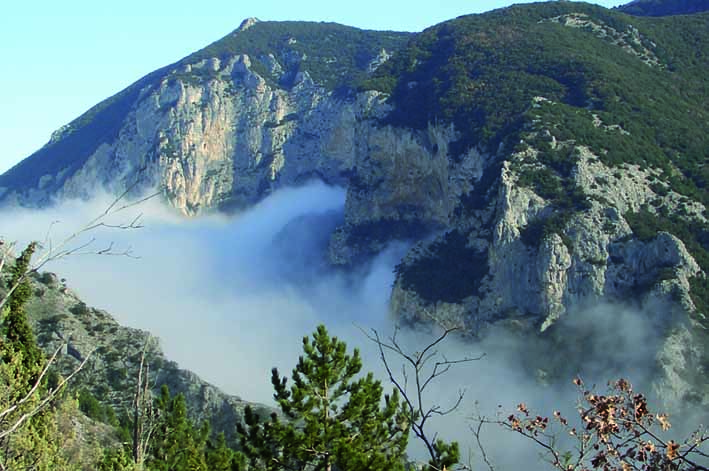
[[58, 58]]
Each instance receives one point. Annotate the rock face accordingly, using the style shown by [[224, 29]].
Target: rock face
[[222, 129], [525, 227], [233, 139], [593, 257]]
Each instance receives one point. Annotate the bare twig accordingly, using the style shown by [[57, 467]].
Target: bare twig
[[144, 420], [64, 249], [415, 401], [477, 431], [616, 434]]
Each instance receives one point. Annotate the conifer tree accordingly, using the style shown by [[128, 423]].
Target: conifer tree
[[218, 455], [18, 339], [29, 437], [335, 421], [176, 444]]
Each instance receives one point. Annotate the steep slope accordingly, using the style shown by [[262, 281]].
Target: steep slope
[[585, 116], [589, 134], [58, 315], [542, 156], [213, 129], [664, 7]]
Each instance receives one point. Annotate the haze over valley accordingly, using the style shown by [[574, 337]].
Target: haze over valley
[[529, 183]]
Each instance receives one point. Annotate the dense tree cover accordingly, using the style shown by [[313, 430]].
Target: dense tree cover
[[175, 443], [664, 7], [481, 72], [448, 271]]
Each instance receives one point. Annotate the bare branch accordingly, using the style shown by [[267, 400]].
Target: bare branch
[[54, 252], [477, 432], [616, 434], [415, 402]]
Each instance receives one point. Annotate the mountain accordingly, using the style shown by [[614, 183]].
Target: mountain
[[279, 72], [541, 158], [58, 315], [664, 7]]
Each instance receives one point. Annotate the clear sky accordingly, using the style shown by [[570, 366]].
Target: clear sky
[[58, 58]]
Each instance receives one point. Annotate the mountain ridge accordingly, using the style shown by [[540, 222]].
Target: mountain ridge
[[58, 316], [538, 157], [664, 7]]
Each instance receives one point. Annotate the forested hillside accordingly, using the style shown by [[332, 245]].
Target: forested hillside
[[664, 7]]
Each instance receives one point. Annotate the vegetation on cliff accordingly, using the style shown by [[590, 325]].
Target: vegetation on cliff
[[664, 7], [483, 72]]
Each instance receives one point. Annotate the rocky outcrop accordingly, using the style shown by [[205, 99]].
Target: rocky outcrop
[[592, 256], [630, 40], [227, 141]]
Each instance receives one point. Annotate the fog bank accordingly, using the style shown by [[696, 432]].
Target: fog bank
[[232, 297]]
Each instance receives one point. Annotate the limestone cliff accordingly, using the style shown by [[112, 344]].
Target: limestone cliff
[[223, 128], [538, 158]]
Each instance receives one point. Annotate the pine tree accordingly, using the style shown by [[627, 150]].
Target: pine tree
[[176, 444], [116, 459], [17, 337], [34, 443], [218, 455], [335, 422]]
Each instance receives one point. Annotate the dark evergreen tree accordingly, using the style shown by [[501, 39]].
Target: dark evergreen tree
[[218, 455], [30, 435], [334, 421], [17, 337], [176, 443]]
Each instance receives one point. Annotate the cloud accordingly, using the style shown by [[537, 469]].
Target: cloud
[[232, 297]]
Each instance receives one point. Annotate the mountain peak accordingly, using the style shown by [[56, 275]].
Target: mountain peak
[[247, 23]]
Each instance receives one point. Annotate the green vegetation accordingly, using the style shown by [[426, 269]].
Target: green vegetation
[[16, 334], [539, 229], [383, 230], [449, 271], [36, 444], [664, 7], [334, 55], [552, 182], [334, 421], [176, 443], [479, 197], [482, 73], [331, 418]]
